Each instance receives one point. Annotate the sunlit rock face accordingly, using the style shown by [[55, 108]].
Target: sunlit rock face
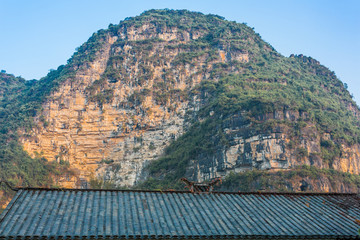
[[115, 139]]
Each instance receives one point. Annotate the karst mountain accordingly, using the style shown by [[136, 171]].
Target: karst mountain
[[174, 93]]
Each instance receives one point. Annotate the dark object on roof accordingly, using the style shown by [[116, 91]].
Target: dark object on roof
[[196, 187], [110, 214]]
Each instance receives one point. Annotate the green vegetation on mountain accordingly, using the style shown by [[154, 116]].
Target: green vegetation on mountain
[[267, 83], [283, 181], [19, 102]]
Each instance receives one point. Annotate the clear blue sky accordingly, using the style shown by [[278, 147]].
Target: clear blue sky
[[39, 35]]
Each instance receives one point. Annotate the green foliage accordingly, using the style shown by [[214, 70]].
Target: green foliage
[[186, 57], [302, 152], [330, 151], [107, 161], [19, 169], [64, 163], [87, 52], [18, 107], [103, 97], [20, 101], [100, 183], [284, 180], [138, 97], [96, 183], [152, 146], [136, 149], [99, 92]]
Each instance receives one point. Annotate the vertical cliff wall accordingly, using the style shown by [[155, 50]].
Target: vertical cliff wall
[[148, 86]]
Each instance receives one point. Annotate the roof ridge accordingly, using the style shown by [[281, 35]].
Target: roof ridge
[[183, 191]]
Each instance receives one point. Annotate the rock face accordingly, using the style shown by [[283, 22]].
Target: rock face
[[271, 151], [141, 90], [114, 140]]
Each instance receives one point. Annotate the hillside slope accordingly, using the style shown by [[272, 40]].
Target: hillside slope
[[170, 93], [19, 101]]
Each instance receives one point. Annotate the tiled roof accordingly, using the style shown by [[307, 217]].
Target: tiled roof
[[99, 214]]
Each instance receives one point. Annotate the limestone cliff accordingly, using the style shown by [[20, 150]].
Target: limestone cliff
[[272, 150], [175, 92], [115, 139]]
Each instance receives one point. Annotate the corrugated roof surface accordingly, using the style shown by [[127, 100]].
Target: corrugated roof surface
[[133, 214]]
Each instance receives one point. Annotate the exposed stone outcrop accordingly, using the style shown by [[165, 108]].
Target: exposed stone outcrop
[[114, 140], [270, 151]]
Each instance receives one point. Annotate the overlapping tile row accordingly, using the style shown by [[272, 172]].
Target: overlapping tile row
[[35, 213]]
